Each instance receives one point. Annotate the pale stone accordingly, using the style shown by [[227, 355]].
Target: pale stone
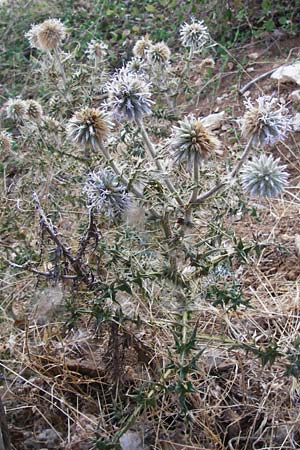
[[253, 55], [296, 122], [288, 73], [295, 96], [213, 121], [131, 440]]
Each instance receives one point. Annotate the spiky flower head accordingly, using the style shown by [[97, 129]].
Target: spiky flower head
[[264, 177], [194, 35], [34, 110], [191, 138], [141, 47], [97, 50], [106, 194], [48, 35], [266, 121], [15, 109], [129, 95], [136, 65], [158, 54], [5, 141], [88, 127]]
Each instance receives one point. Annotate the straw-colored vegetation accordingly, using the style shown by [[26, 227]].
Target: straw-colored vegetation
[[149, 250]]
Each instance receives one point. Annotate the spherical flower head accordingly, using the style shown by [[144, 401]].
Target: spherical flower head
[[194, 35], [141, 47], [129, 96], [135, 65], [97, 50], [106, 194], [47, 35], [15, 109], [191, 138], [51, 125], [159, 54], [88, 127], [34, 110], [5, 141], [264, 177], [266, 121]]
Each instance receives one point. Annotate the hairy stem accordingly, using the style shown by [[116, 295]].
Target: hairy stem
[[159, 166], [60, 67], [193, 198], [232, 175]]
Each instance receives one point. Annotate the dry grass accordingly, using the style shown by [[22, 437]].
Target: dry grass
[[76, 367]]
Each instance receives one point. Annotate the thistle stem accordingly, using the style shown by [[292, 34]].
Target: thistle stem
[[193, 198], [232, 175], [124, 179], [159, 166], [61, 68]]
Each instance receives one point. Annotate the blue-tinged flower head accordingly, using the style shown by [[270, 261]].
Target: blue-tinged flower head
[[194, 35], [265, 122], [263, 176], [106, 194], [129, 95]]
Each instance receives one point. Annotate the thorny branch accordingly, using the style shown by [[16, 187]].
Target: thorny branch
[[82, 273]]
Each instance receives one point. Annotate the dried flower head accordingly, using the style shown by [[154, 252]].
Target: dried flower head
[[158, 54], [97, 50], [206, 63], [129, 95], [191, 138], [15, 109], [104, 193], [5, 141], [34, 110], [266, 122], [88, 127], [194, 35], [47, 35], [52, 125], [141, 47], [264, 177]]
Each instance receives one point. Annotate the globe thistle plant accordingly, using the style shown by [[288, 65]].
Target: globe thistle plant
[[15, 109], [88, 127], [191, 138], [264, 177], [48, 35], [34, 110], [5, 141], [194, 35], [266, 121], [96, 51], [129, 96], [141, 47], [158, 54], [106, 194]]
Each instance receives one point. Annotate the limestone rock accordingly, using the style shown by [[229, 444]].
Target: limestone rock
[[296, 122], [295, 96], [288, 73], [213, 121]]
